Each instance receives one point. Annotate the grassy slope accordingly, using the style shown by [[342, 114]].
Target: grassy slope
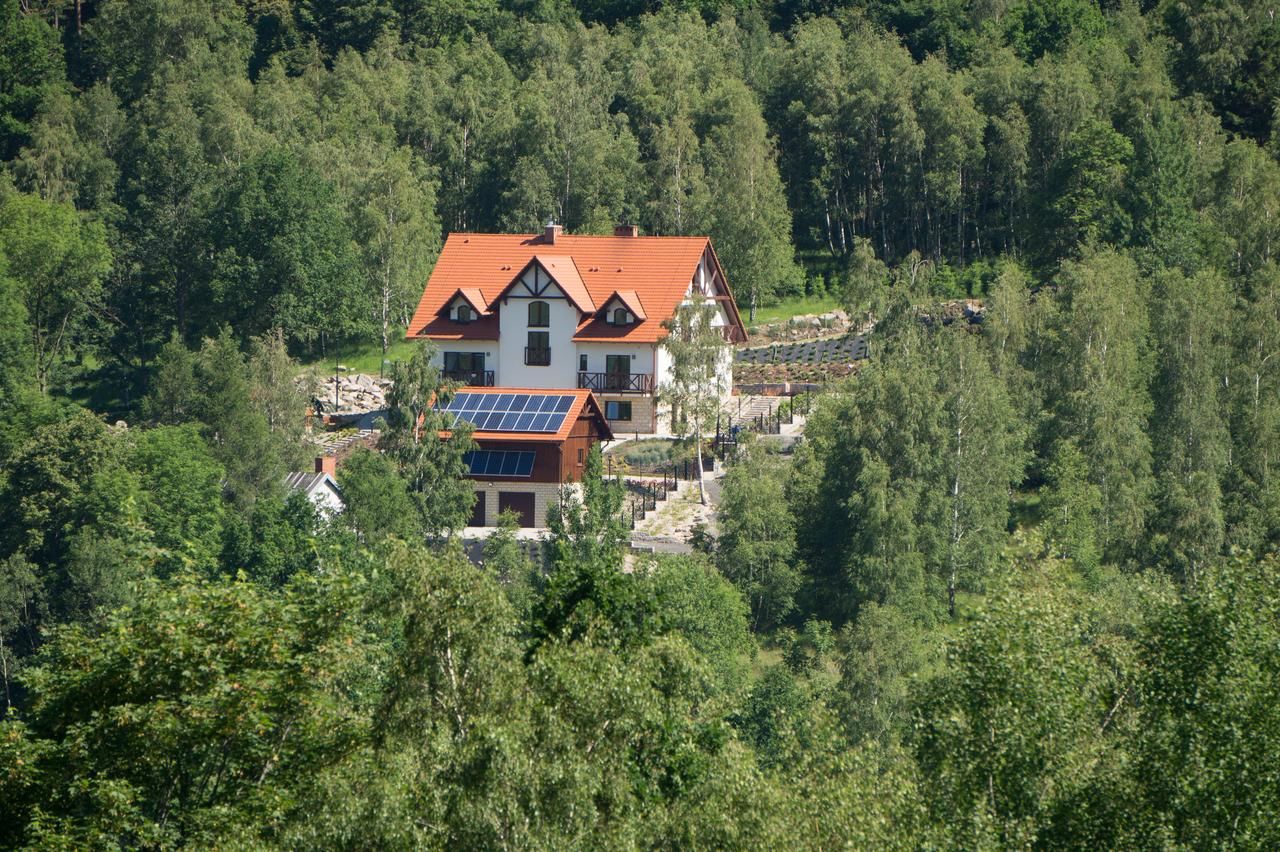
[[364, 358], [794, 308]]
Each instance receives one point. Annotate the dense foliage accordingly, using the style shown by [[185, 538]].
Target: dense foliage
[[1017, 586]]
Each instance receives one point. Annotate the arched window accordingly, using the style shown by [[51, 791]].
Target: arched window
[[539, 315], [464, 313], [620, 316]]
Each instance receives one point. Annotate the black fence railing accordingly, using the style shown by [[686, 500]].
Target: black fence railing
[[616, 382], [730, 428], [537, 357], [646, 489], [472, 378]]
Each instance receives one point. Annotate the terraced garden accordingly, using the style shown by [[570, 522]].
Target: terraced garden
[[804, 360]]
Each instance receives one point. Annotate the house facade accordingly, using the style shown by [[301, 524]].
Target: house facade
[[320, 487], [530, 444], [555, 311]]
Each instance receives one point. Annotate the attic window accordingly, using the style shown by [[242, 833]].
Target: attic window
[[464, 314], [621, 317]]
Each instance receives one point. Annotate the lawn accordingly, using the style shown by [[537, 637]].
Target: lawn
[[794, 308], [365, 358]]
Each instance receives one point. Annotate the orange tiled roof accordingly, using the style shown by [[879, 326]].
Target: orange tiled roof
[[657, 270], [582, 400]]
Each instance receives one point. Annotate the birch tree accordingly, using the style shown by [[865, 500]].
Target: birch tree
[[699, 376], [400, 234]]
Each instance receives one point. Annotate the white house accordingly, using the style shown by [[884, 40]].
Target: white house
[[320, 487], [554, 311]]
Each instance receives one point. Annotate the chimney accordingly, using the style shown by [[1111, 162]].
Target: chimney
[[550, 232], [626, 230], [327, 464]]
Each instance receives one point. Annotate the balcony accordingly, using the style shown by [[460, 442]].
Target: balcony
[[537, 356], [472, 378], [616, 382]]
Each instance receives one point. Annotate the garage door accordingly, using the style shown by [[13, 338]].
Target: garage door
[[520, 502]]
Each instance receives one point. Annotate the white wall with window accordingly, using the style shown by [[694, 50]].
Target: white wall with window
[[636, 358], [537, 334]]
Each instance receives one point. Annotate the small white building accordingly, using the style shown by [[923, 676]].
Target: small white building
[[320, 486], [555, 311]]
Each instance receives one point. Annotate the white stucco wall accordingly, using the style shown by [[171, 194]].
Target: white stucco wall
[[326, 499], [641, 355], [513, 337], [488, 347]]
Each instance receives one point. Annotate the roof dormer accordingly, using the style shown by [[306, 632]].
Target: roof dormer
[[466, 305], [623, 308]]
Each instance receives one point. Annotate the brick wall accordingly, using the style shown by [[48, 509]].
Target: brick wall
[[641, 415]]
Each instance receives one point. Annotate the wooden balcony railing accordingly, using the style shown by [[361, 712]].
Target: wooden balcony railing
[[473, 378], [536, 357], [616, 382]]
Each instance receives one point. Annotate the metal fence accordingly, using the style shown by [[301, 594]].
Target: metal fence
[[730, 428]]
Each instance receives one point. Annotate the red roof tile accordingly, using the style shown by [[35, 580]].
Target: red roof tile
[[657, 270]]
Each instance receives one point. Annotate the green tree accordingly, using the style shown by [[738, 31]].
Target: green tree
[[699, 375], [415, 439], [506, 558], [282, 255], [173, 749], [59, 260], [1098, 380], [587, 588], [752, 235], [1208, 710], [173, 394], [1253, 490], [375, 498], [984, 461], [709, 613], [400, 236], [31, 66], [235, 427], [757, 540], [181, 500], [881, 654], [1072, 504], [1191, 443], [1006, 734]]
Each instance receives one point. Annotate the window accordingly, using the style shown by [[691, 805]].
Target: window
[[582, 363], [582, 456], [620, 316], [617, 410], [464, 313], [617, 373], [538, 352], [539, 315], [463, 362]]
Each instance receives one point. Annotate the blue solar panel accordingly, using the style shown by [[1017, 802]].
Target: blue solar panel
[[510, 412], [499, 462]]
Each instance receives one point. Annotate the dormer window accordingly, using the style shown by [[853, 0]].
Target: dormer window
[[621, 317], [464, 314], [539, 315]]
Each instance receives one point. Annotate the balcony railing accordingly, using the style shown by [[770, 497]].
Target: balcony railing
[[616, 382], [473, 378], [537, 357]]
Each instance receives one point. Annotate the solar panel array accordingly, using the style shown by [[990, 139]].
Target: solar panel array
[[499, 462], [510, 412]]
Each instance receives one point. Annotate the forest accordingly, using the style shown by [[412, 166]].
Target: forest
[[1017, 586]]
